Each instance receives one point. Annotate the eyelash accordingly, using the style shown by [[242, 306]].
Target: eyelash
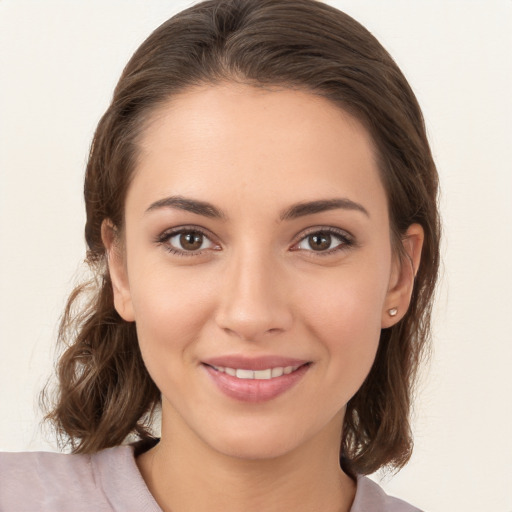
[[346, 240]]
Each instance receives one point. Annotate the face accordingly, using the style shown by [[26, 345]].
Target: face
[[256, 262]]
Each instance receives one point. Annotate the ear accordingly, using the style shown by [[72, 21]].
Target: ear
[[401, 282], [117, 268]]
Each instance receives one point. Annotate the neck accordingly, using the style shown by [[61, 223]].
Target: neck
[[184, 474]]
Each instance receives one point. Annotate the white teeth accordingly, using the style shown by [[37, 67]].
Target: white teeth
[[268, 373], [263, 374], [277, 372], [244, 374]]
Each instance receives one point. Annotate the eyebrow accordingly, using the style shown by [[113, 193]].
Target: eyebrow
[[293, 212], [190, 205], [311, 207]]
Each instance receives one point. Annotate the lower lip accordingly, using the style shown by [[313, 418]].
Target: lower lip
[[255, 390]]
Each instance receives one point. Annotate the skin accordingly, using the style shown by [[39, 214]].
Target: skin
[[256, 287]]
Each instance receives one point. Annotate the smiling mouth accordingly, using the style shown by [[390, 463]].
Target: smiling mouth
[[265, 374], [254, 379]]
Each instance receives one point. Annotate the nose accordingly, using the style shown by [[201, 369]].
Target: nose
[[255, 301]]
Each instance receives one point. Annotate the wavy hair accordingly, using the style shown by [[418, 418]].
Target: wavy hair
[[104, 392]]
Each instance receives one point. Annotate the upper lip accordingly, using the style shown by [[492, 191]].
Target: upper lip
[[254, 363]]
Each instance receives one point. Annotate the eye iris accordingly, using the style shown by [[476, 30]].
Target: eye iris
[[191, 241], [319, 241]]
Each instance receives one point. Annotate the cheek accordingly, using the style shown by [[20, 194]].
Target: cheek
[[170, 308], [170, 312], [349, 327], [345, 315], [347, 301]]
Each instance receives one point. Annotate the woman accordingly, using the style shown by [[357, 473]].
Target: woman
[[263, 231]]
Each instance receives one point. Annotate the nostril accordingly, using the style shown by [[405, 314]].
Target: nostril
[[250, 310], [251, 333]]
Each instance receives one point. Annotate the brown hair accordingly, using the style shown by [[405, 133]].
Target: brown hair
[[105, 392]]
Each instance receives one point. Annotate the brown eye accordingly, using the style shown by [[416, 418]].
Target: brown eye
[[191, 241], [324, 241], [319, 241]]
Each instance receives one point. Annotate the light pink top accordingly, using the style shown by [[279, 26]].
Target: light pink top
[[109, 481]]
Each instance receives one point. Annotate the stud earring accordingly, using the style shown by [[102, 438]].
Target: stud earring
[[392, 311]]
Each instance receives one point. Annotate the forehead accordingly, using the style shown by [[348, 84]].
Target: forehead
[[278, 143]]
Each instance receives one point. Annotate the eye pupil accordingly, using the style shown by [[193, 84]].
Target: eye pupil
[[319, 241], [191, 241]]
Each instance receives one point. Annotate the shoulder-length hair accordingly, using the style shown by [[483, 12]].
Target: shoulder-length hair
[[105, 393]]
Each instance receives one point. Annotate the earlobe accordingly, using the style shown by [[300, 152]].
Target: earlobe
[[404, 271], [117, 269]]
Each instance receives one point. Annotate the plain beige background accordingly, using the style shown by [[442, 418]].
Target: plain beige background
[[59, 62]]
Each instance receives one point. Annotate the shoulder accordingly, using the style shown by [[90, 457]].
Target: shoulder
[[57, 482], [48, 481], [370, 496]]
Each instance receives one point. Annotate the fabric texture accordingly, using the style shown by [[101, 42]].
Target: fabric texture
[[109, 481]]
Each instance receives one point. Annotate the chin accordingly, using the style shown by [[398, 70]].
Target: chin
[[258, 440], [254, 449]]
